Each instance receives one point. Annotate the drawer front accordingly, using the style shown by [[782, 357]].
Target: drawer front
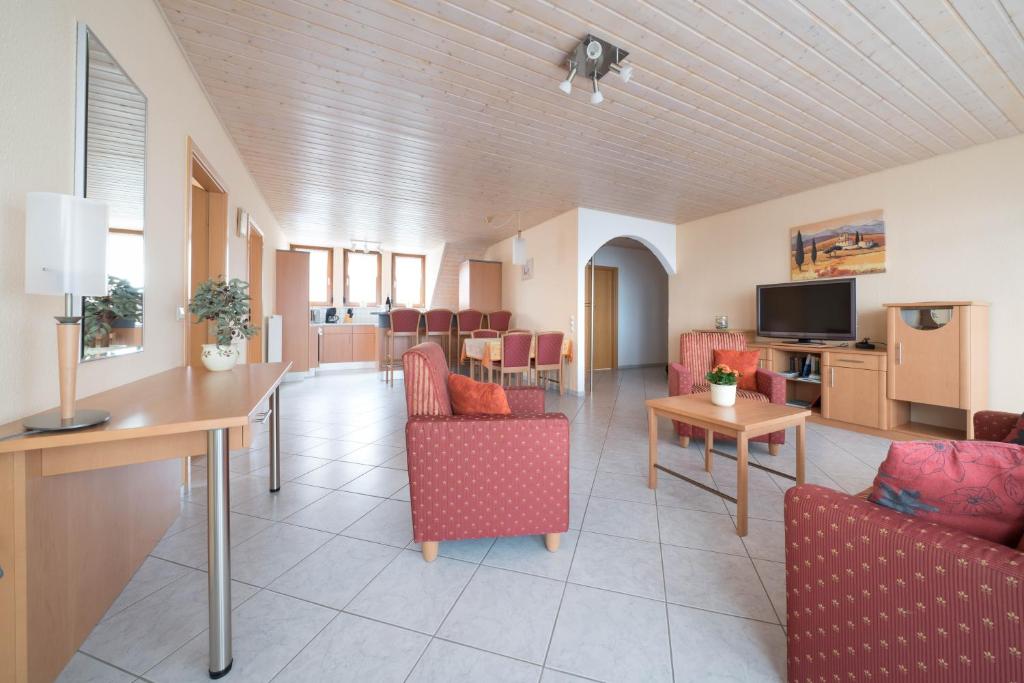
[[336, 329], [364, 329], [857, 361]]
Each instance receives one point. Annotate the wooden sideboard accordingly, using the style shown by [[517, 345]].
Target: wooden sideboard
[[346, 343]]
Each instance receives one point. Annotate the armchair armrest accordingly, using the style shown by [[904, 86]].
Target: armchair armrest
[[993, 425], [869, 589], [478, 476], [680, 379], [525, 400], [772, 385]]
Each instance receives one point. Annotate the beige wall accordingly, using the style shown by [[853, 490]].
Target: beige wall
[[37, 79], [547, 301], [954, 229]]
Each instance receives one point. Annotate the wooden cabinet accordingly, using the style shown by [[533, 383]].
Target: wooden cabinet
[[364, 343], [336, 345], [314, 346], [348, 343], [854, 395], [292, 305], [480, 285], [938, 355]]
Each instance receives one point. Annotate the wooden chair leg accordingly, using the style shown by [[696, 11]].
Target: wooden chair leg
[[684, 441], [551, 541], [774, 448], [429, 549]]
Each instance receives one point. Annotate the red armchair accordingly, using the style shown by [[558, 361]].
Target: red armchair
[[696, 356], [873, 595], [479, 476]]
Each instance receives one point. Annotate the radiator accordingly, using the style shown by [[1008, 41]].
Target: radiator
[[273, 328]]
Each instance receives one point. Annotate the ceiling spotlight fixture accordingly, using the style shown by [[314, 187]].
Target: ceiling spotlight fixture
[[594, 58], [596, 97], [566, 85]]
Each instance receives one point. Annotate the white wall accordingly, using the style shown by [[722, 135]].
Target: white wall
[[954, 230], [642, 305], [37, 79], [547, 301]]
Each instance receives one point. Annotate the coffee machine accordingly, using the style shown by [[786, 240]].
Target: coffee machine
[[332, 315]]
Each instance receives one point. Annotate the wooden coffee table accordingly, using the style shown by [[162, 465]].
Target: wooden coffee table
[[744, 421]]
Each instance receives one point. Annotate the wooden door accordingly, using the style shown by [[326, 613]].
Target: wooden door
[[314, 346], [851, 395], [254, 352], [924, 358], [199, 269], [293, 307], [9, 618], [364, 344], [603, 354], [206, 240], [336, 346]]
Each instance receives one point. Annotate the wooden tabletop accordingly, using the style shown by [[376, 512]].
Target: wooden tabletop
[[746, 414], [172, 402]]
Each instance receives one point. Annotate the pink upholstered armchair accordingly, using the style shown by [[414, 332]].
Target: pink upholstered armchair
[[480, 476], [696, 356]]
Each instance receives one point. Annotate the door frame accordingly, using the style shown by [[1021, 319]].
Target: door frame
[[587, 355], [255, 345], [199, 172]]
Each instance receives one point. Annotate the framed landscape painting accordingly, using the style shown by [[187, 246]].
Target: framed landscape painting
[[840, 247]]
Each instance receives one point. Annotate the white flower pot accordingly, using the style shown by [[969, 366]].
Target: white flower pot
[[217, 357], [723, 395]]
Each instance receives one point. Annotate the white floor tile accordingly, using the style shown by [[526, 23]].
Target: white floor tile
[[445, 662], [716, 582], [528, 554], [619, 564], [334, 512], [716, 647], [622, 518]]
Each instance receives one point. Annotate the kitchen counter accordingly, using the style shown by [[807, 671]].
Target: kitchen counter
[[371, 323]]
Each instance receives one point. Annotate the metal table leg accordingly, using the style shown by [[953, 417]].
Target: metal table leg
[[275, 440], [218, 535]]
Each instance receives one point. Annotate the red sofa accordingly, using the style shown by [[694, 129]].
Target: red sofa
[[481, 476], [876, 595], [696, 356]]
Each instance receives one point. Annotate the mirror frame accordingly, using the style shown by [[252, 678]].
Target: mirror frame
[[84, 36]]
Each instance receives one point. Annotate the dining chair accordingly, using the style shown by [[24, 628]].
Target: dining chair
[[515, 357], [467, 320], [438, 324], [548, 358], [499, 320], [480, 334], [405, 323]]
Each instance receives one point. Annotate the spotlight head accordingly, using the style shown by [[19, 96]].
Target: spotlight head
[[566, 86], [596, 97], [626, 73], [594, 50]]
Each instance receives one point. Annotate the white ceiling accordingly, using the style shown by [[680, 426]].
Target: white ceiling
[[411, 121]]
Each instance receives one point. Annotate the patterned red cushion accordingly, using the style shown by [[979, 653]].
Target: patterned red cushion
[[974, 486], [744, 361], [1016, 435], [470, 397]]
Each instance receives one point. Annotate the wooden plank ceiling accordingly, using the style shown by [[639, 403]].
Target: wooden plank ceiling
[[411, 121]]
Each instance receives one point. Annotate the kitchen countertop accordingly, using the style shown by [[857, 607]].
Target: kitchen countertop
[[371, 323]]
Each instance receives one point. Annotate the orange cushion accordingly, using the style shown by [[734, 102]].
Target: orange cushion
[[470, 397], [744, 361]]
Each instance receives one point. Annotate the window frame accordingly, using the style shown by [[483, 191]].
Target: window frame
[[421, 303], [380, 265], [330, 271]]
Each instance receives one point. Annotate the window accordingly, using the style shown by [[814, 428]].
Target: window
[[408, 280], [125, 255], [321, 267], [362, 278]]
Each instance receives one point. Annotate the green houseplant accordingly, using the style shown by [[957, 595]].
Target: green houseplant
[[122, 304], [723, 380], [225, 307]]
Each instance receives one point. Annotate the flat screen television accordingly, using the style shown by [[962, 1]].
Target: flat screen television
[[808, 311]]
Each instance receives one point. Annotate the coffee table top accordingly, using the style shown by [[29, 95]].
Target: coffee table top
[[745, 415]]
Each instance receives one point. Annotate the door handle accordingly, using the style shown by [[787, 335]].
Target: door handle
[[832, 377], [899, 353]]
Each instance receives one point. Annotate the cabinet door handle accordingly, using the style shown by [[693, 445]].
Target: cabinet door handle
[[832, 377], [899, 353]]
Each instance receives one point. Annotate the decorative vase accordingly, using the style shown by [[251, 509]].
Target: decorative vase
[[723, 395], [217, 357], [721, 322]]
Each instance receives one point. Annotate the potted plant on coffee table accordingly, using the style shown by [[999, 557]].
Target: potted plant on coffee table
[[723, 381], [225, 307]]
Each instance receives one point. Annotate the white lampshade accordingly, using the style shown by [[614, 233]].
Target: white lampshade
[[65, 245], [518, 251]]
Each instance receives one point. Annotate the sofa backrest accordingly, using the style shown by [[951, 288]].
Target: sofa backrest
[[426, 380], [697, 349]]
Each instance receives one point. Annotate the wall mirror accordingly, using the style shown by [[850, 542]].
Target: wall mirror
[[110, 164]]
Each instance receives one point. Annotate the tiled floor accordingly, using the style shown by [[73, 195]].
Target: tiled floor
[[328, 585]]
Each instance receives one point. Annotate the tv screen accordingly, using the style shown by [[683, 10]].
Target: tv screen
[[808, 310]]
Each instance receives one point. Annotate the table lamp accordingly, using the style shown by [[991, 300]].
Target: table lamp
[[66, 253]]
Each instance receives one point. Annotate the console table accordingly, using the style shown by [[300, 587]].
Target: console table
[[81, 510]]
